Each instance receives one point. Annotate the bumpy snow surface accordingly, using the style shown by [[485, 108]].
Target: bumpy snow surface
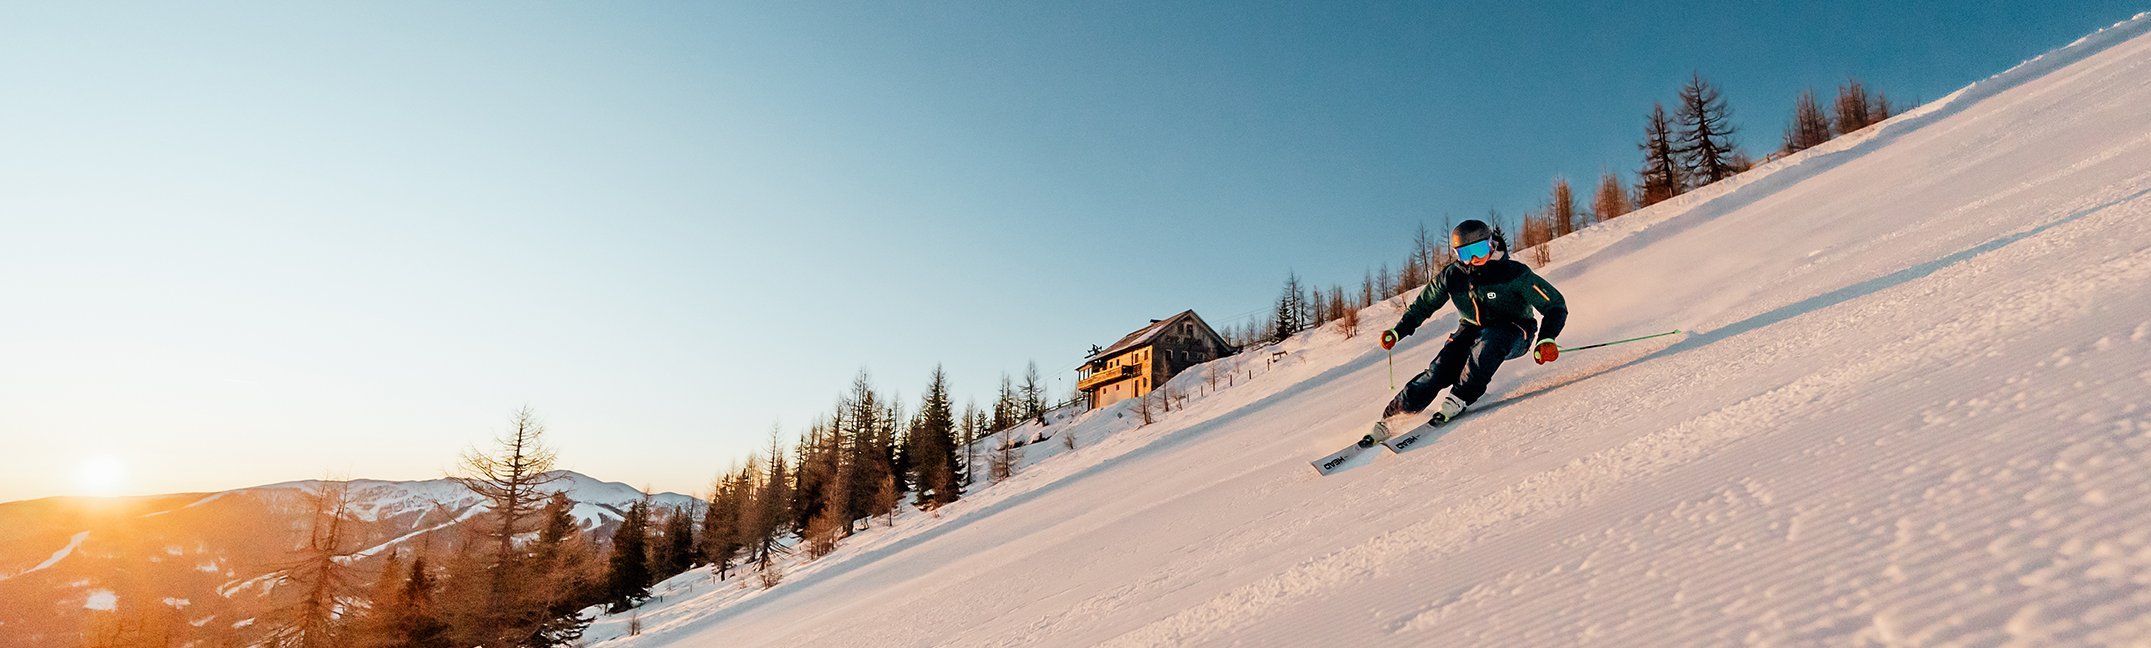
[[1915, 409]]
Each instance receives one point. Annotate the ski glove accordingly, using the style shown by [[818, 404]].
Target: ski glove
[[1389, 339], [1547, 352]]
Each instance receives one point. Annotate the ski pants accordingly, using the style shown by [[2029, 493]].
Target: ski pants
[[1465, 365]]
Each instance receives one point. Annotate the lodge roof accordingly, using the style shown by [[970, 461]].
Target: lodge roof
[[1144, 336]]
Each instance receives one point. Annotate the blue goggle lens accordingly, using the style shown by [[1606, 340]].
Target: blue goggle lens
[[1475, 251]]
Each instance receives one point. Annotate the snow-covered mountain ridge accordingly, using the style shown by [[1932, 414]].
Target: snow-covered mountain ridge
[[212, 557], [1912, 410]]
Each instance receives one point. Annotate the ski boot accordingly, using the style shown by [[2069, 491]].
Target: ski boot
[[1385, 428], [1451, 407]]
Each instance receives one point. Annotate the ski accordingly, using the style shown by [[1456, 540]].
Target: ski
[[1338, 460], [1342, 459], [1418, 435]]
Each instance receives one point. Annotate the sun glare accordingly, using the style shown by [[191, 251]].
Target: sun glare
[[101, 475]]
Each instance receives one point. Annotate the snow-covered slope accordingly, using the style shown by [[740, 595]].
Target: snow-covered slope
[[1915, 409]]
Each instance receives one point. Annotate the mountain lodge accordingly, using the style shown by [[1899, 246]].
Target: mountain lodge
[[1149, 356]]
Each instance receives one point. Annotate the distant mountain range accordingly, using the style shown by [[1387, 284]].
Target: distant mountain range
[[205, 562]]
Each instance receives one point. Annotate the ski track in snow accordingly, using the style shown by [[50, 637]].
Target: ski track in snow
[[1911, 410]]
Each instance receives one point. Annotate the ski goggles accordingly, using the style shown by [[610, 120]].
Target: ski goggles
[[1475, 252]]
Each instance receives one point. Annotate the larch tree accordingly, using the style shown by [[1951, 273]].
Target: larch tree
[[1006, 406], [967, 458], [1662, 176], [319, 577], [1561, 208], [1854, 110], [1810, 126], [1034, 393], [1612, 199], [509, 478], [1706, 138]]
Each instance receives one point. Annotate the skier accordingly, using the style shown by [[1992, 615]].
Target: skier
[[1494, 297]]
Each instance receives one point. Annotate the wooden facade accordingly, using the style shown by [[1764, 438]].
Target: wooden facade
[[1142, 360]]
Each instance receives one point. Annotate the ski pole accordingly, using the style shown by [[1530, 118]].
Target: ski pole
[[1603, 344], [1392, 368]]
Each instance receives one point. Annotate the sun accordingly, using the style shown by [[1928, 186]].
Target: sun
[[101, 475]]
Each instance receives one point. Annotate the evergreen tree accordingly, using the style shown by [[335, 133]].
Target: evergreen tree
[[933, 441], [1612, 199], [1291, 309], [770, 505], [627, 580], [1810, 127], [872, 457], [1706, 132], [408, 618], [560, 564], [720, 523], [1662, 176], [677, 555]]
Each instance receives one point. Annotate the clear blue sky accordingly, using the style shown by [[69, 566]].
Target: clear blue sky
[[247, 242]]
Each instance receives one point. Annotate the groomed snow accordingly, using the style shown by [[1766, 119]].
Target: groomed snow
[[1914, 409]]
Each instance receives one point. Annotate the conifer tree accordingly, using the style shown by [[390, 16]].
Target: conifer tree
[[933, 440], [407, 618], [1034, 393], [678, 553], [1290, 309], [775, 491], [1612, 199], [1002, 464], [509, 478], [320, 577], [627, 579], [967, 458], [1854, 110], [1662, 176], [1427, 251], [720, 523], [1810, 127], [1706, 132], [1561, 208], [872, 457], [560, 563], [1005, 406]]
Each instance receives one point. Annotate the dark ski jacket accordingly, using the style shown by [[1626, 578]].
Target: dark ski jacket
[[1501, 292]]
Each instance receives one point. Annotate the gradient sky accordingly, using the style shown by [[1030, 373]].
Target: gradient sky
[[251, 242]]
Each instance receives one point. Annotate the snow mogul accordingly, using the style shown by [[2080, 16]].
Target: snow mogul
[[1494, 297]]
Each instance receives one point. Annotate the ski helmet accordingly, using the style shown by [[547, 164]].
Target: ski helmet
[[1473, 241]]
